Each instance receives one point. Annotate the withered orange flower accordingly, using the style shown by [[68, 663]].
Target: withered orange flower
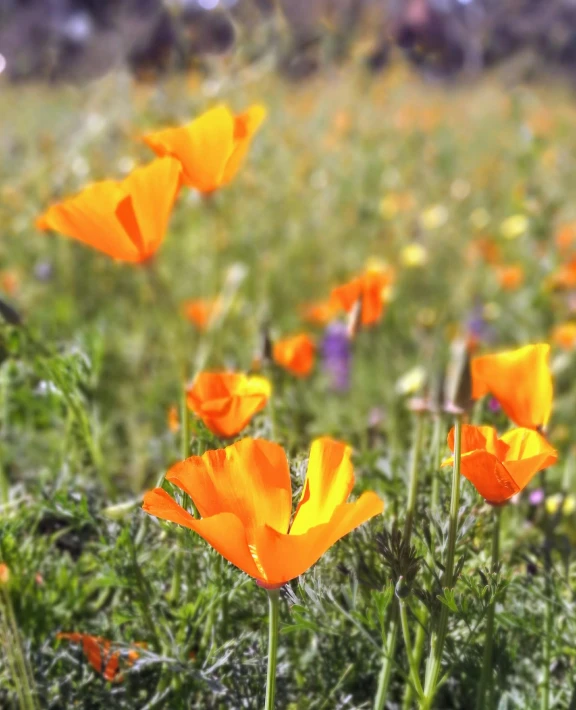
[[126, 220], [211, 148], [295, 353], [243, 494], [520, 380], [369, 288], [501, 467], [510, 278], [227, 401], [100, 654], [319, 312], [564, 335], [201, 311]]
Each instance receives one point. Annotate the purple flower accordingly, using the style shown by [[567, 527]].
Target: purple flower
[[536, 497], [337, 356], [494, 405]]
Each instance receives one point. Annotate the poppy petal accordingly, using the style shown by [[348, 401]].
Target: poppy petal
[[329, 482], [224, 531], [490, 478], [203, 147], [520, 380], [284, 557], [528, 453], [153, 189], [249, 479], [245, 126], [90, 217]]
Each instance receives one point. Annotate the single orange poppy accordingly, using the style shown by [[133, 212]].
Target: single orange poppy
[[565, 276], [227, 401], [211, 148], [501, 467], [564, 335], [369, 289], [4, 573], [126, 220], [243, 494], [520, 380], [173, 419], [510, 278], [319, 312], [201, 312], [295, 353], [565, 237]]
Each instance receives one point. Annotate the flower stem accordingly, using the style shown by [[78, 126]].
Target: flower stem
[[387, 661], [434, 663], [273, 610], [545, 700], [390, 643], [414, 674], [486, 680]]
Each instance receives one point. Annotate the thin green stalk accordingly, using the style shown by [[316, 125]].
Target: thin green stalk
[[434, 663], [418, 653], [387, 661], [545, 700], [22, 675], [273, 608], [389, 655], [437, 454], [414, 672], [413, 479], [485, 687]]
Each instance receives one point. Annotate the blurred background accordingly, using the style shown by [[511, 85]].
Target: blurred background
[[75, 40]]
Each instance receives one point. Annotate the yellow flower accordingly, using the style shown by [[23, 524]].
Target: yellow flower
[[514, 226], [553, 504], [434, 217], [414, 256]]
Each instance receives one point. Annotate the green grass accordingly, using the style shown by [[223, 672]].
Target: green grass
[[86, 386]]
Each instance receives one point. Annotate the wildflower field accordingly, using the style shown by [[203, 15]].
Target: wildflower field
[[364, 290]]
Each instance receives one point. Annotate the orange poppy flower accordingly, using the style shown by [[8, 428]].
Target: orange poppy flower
[[212, 148], [520, 380], [510, 278], [565, 335], [126, 220], [10, 281], [227, 401], [319, 312], [369, 288], [295, 354], [500, 468], [564, 276], [565, 237], [201, 311], [243, 494], [4, 573], [173, 419]]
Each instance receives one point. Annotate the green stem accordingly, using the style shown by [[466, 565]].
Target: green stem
[[413, 479], [486, 679], [434, 663], [418, 653], [273, 607], [387, 661], [414, 674], [437, 454], [545, 700], [389, 655]]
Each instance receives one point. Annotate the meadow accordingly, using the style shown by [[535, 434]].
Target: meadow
[[462, 200]]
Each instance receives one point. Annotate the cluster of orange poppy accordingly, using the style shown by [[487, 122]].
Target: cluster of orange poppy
[[242, 493]]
